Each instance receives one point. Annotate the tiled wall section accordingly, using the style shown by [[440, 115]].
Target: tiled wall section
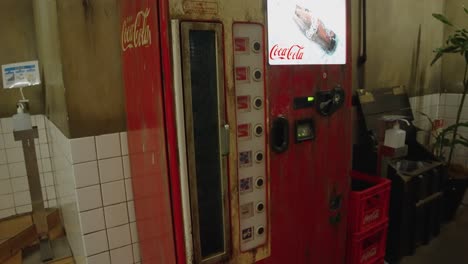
[[14, 188], [95, 193], [427, 104], [442, 106]]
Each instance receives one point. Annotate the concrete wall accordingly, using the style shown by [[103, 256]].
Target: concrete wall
[[18, 43], [89, 32], [48, 45], [454, 64], [401, 35]]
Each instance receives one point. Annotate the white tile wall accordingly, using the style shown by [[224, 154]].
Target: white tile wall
[[126, 167], [96, 243], [136, 252], [86, 174], [103, 258], [443, 106], [131, 211], [133, 232], [3, 159], [124, 143], [17, 169], [111, 169], [6, 187], [13, 169], [7, 213], [116, 215], [7, 202], [24, 209], [122, 255], [119, 236], [108, 146], [19, 184], [92, 221], [89, 198], [4, 172], [95, 193], [113, 192], [83, 149]]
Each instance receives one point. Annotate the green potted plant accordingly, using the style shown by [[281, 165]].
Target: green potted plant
[[456, 43]]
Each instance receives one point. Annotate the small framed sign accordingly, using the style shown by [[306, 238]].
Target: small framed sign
[[23, 74]]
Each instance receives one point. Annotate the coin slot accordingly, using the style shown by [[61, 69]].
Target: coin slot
[[258, 103], [259, 156], [258, 130], [259, 182], [256, 47], [260, 230], [260, 207], [257, 75]]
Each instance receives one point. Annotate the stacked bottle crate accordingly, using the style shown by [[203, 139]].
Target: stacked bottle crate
[[368, 219]]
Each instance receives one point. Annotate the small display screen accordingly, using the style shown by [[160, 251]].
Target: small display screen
[[305, 130]]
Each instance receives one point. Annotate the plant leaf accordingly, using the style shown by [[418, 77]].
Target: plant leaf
[[466, 10], [458, 41], [452, 127], [442, 19], [446, 142], [461, 142], [449, 49], [463, 138], [437, 57]]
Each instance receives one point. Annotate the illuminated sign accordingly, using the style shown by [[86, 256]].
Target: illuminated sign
[[307, 32]]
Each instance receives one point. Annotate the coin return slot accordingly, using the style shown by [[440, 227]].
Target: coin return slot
[[260, 231], [259, 156], [258, 130], [256, 47], [260, 207], [257, 75], [258, 103], [259, 182]]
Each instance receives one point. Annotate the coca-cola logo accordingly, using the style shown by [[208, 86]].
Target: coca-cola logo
[[374, 215], [369, 254], [294, 52], [136, 31]]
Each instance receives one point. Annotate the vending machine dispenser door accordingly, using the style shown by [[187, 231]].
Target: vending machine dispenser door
[[203, 75]]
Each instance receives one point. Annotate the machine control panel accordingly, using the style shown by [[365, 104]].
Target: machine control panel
[[251, 134]]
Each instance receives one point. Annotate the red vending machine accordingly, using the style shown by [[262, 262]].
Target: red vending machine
[[239, 126]]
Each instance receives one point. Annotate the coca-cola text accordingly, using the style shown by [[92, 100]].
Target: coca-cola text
[[136, 32], [295, 52], [371, 217]]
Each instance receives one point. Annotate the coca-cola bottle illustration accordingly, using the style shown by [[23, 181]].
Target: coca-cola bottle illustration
[[314, 29]]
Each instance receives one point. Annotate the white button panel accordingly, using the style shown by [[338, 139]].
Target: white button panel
[[249, 74]]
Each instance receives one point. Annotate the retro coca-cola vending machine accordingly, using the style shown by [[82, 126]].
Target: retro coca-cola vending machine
[[239, 128]]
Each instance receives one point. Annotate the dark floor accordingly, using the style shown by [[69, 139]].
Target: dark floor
[[451, 247]]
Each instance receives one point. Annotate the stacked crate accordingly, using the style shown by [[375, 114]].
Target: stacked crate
[[368, 219]]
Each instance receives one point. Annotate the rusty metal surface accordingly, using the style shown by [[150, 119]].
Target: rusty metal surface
[[141, 55]]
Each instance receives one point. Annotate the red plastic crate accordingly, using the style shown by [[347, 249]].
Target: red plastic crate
[[368, 247], [368, 207]]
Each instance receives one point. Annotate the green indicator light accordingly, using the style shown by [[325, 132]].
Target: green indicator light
[[310, 99]]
